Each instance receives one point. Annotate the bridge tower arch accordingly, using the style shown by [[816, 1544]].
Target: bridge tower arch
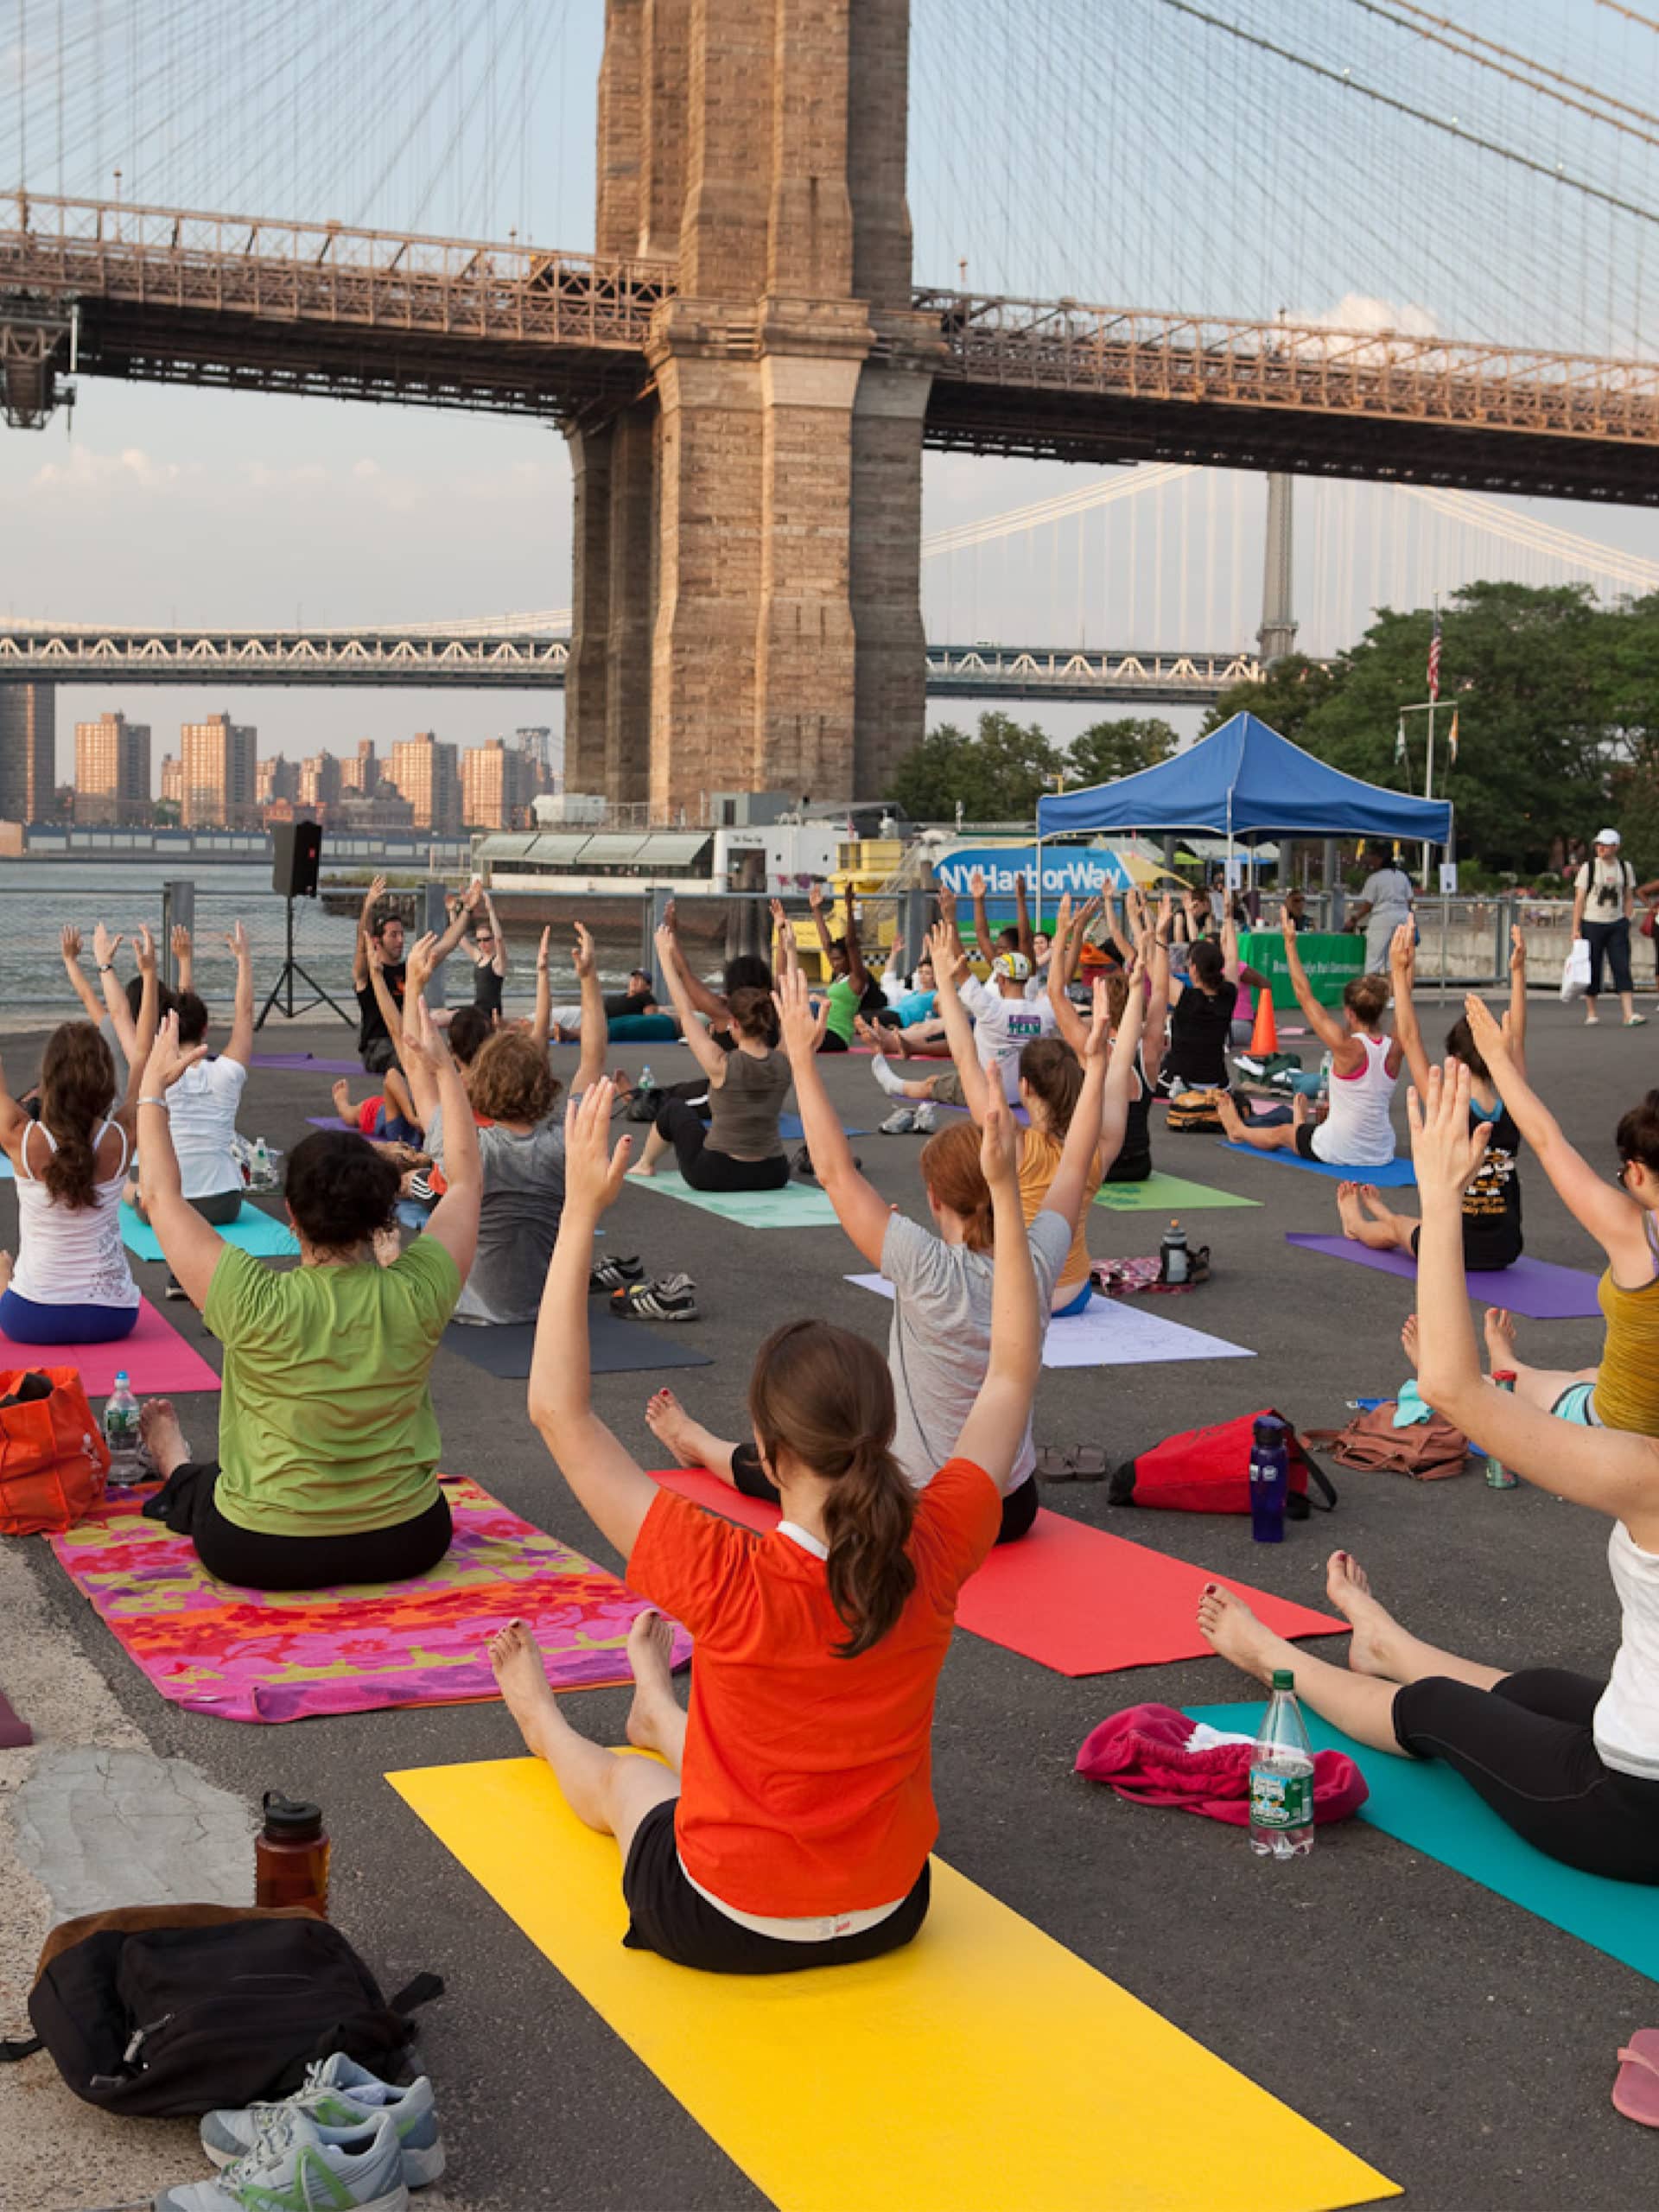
[[747, 596]]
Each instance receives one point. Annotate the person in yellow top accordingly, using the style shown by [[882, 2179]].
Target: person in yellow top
[[1622, 1391], [1050, 1082]]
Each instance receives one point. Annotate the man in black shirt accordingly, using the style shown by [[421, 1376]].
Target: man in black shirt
[[383, 929], [641, 996]]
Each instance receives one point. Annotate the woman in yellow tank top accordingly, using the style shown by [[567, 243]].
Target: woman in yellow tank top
[[1622, 1391], [1050, 1081]]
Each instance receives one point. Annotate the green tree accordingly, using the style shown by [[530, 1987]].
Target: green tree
[[1106, 751], [1290, 692], [996, 775]]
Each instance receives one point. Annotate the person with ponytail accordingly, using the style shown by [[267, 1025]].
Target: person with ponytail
[[1051, 1088], [943, 1287], [70, 1282], [788, 1818]]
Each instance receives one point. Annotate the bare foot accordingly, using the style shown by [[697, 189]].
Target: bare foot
[[1228, 1626], [521, 1676], [1348, 1587], [343, 1106], [1231, 1120], [642, 1172], [654, 1717], [1300, 1111], [1349, 1208], [1500, 1336], [162, 1438], [1408, 1339], [1372, 1198], [692, 1444]]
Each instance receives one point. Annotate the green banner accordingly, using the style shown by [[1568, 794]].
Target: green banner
[[1332, 961]]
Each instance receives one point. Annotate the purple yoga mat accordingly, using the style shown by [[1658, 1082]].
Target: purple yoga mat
[[1537, 1288], [14, 1733], [303, 1064]]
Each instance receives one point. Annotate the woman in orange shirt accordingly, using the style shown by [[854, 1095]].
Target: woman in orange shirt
[[790, 1822]]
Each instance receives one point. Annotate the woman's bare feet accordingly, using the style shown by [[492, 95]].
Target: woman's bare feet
[[341, 1095], [642, 1172], [1228, 1626], [521, 1676], [655, 1720], [1500, 1332], [1375, 1630], [1231, 1120], [162, 1438], [1408, 1338], [692, 1444], [1347, 1207], [1300, 1111]]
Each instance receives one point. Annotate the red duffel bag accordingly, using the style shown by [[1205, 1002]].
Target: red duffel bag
[[53, 1456], [1208, 1470]]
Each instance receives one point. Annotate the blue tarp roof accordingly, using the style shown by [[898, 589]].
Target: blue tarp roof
[[1241, 781]]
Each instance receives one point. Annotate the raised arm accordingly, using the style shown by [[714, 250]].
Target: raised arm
[[105, 948], [1320, 1019], [995, 1426], [1080, 1154], [1073, 1029], [1608, 1468], [143, 945], [14, 1122], [1022, 914], [371, 897], [958, 1030], [893, 975], [501, 962], [69, 942], [459, 923], [1599, 1206], [707, 1054], [814, 900], [595, 1029], [1120, 1068], [1518, 997], [542, 1020], [1155, 1036], [454, 1220], [190, 1247], [610, 1485], [241, 1045], [784, 953], [860, 1208], [184, 958], [982, 941], [857, 975], [1407, 1031]]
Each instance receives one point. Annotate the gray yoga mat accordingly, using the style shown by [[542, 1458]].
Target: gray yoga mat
[[614, 1347]]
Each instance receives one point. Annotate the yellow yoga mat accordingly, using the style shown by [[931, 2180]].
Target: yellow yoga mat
[[983, 2068]]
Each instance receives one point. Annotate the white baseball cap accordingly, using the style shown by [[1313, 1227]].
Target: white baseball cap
[[1607, 837]]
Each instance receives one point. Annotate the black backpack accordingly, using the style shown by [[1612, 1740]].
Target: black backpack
[[170, 2019]]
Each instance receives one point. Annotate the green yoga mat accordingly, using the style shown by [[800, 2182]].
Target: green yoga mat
[[252, 1230], [1422, 1803], [798, 1205], [1165, 1194]]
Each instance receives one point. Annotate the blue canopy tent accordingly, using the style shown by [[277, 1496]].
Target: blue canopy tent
[[1245, 781]]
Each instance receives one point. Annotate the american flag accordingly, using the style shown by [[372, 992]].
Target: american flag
[[1434, 657]]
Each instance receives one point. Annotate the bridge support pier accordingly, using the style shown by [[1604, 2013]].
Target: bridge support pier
[[746, 606]]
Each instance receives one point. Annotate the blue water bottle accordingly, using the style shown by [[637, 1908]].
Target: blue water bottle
[[1269, 1480]]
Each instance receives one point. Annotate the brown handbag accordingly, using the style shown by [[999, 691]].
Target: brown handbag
[[1427, 1451]]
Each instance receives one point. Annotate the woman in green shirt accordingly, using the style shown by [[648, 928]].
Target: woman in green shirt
[[328, 1443]]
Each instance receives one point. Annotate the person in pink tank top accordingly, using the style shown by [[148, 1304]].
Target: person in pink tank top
[[1365, 1062]]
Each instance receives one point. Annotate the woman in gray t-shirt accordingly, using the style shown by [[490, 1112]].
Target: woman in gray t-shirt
[[739, 1148]]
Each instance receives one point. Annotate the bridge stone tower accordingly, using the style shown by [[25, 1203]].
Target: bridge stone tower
[[746, 610]]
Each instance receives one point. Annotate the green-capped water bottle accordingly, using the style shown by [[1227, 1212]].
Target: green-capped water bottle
[[124, 1435], [1282, 1777], [1498, 1476]]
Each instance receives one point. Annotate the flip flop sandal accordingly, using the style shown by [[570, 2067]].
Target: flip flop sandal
[[1636, 2090], [1081, 1463]]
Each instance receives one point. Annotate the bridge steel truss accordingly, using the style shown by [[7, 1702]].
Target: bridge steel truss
[[87, 653], [173, 296]]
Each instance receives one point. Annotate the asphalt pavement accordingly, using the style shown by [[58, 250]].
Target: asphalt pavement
[[1452, 2039]]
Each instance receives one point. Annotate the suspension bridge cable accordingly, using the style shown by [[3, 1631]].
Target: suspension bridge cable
[[1443, 24]]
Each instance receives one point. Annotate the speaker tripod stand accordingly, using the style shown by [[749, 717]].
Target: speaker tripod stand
[[292, 971]]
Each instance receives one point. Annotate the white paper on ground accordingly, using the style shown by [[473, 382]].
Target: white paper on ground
[[1112, 1333]]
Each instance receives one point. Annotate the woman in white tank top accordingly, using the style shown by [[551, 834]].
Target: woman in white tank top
[[1365, 1063], [70, 1282]]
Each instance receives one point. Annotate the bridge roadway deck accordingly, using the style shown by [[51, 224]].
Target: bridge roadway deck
[[1462, 2046]]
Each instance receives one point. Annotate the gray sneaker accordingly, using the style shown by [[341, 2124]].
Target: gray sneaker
[[294, 2165], [900, 1122], [340, 2096], [927, 1118]]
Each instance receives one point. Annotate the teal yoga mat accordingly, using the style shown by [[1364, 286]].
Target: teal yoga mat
[[1167, 1194], [1426, 1805], [798, 1205], [251, 1231], [1393, 1175]]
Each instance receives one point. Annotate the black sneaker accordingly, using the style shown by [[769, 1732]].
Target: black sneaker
[[174, 1288], [802, 1169], [654, 1301], [615, 1273]]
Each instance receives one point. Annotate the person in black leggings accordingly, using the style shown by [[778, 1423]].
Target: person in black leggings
[[1571, 1764], [739, 1147]]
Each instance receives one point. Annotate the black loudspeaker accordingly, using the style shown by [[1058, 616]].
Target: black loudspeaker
[[295, 851]]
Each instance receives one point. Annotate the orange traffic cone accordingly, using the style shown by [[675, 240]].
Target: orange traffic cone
[[1264, 1037]]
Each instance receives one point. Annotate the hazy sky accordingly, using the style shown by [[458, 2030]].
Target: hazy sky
[[162, 504]]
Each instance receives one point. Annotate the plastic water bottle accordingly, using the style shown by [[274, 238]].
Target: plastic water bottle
[[644, 1076], [124, 1435], [1174, 1260], [1282, 1777], [1325, 1066], [262, 1177], [1498, 1476], [1269, 1480]]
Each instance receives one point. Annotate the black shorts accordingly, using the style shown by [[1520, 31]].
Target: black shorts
[[667, 1916], [1527, 1747], [1477, 1259], [1305, 1143], [379, 1056]]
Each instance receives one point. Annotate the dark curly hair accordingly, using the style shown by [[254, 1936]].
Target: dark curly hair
[[339, 1189], [470, 1029]]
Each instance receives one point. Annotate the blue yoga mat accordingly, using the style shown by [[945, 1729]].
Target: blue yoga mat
[[252, 1231], [790, 1129], [1393, 1175], [1426, 1805]]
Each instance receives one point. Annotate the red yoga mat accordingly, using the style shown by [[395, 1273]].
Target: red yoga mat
[[14, 1733], [155, 1356], [1068, 1596]]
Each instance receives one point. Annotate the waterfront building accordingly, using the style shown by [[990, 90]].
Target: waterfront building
[[278, 778], [426, 771], [172, 781], [28, 748], [111, 770], [498, 782], [220, 773]]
